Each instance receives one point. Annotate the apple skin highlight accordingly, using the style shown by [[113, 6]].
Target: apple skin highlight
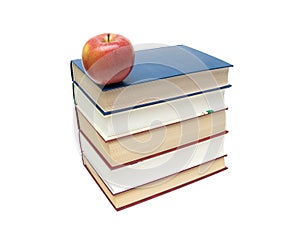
[[108, 58]]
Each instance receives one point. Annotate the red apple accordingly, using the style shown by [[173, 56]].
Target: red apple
[[108, 58]]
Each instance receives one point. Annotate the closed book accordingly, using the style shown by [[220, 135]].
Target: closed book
[[159, 187], [158, 74], [172, 162], [130, 149], [142, 118]]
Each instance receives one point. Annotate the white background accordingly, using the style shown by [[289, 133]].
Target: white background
[[43, 182]]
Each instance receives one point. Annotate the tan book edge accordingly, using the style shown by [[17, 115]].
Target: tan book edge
[[162, 89], [159, 187], [130, 149]]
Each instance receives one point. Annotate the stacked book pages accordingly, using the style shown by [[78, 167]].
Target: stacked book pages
[[161, 128]]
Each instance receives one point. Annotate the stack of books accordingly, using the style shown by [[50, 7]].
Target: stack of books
[[162, 128]]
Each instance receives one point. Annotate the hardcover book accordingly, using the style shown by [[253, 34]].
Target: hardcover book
[[144, 145], [172, 162], [139, 119], [156, 188], [158, 74]]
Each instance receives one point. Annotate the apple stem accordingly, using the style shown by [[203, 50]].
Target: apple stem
[[108, 37]]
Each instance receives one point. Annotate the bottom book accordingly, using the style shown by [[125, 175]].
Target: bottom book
[[156, 188]]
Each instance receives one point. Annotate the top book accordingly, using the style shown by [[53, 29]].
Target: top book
[[158, 74]]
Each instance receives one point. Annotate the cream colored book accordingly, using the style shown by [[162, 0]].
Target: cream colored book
[[134, 175], [143, 145], [159, 187], [129, 122]]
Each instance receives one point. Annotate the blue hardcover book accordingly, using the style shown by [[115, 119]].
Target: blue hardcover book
[[159, 74]]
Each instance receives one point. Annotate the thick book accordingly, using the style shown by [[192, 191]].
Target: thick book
[[139, 119], [158, 74], [148, 144], [159, 187], [172, 162]]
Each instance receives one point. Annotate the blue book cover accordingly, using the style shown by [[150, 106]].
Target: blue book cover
[[165, 62]]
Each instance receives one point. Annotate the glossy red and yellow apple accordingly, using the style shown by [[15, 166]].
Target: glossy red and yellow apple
[[108, 58]]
